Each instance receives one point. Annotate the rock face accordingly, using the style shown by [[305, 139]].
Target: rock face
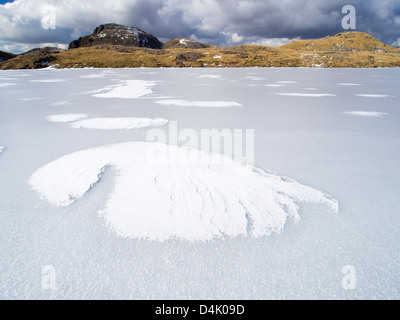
[[117, 35], [4, 56]]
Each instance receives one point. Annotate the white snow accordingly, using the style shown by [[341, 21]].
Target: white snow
[[311, 95], [204, 104], [183, 41], [119, 123], [7, 84], [1, 149], [158, 200], [48, 80], [62, 103], [369, 114], [127, 89], [276, 85], [255, 78], [209, 76], [287, 82], [349, 84], [64, 118], [217, 57], [30, 99], [373, 95]]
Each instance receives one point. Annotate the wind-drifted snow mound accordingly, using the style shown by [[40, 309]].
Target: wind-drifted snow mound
[[192, 199], [369, 114], [119, 123], [373, 95], [309, 95], [68, 117], [126, 89], [201, 104]]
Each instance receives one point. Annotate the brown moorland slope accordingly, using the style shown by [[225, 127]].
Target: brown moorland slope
[[344, 50]]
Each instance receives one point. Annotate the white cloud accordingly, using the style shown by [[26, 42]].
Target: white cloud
[[222, 22]]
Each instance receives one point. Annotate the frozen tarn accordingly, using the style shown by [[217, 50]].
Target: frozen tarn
[[163, 192], [369, 114], [201, 104], [119, 123], [310, 95], [69, 117], [127, 89], [373, 95]]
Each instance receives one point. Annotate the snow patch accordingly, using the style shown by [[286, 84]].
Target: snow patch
[[311, 95], [209, 76], [64, 118], [161, 201], [30, 99], [1, 149], [349, 84], [48, 80], [7, 84], [373, 95], [119, 123], [203, 104], [369, 114], [287, 82], [127, 89], [276, 85], [62, 103], [255, 78]]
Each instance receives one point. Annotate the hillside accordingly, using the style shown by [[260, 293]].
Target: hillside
[[118, 46], [4, 56]]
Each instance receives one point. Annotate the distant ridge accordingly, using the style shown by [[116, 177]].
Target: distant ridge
[[117, 46]]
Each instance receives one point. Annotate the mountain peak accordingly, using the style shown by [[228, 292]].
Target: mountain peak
[[116, 34]]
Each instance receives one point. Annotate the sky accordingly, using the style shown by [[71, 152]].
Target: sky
[[27, 24]]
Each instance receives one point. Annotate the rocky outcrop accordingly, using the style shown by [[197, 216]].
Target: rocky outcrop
[[117, 35]]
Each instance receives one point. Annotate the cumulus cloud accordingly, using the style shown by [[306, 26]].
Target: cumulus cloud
[[221, 22]]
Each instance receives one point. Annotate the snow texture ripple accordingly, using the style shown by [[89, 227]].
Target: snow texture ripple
[[198, 197]]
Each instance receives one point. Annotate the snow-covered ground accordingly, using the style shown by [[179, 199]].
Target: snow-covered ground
[[85, 193]]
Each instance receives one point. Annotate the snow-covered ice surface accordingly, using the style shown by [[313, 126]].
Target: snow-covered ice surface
[[119, 123], [201, 104], [115, 225]]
